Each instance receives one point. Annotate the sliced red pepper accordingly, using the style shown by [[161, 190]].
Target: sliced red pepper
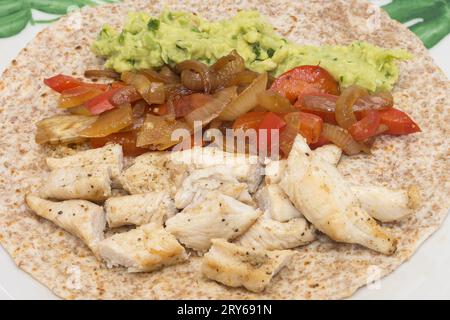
[[366, 127], [321, 142], [322, 105], [304, 80], [398, 122], [101, 103], [270, 122], [308, 125], [62, 83], [249, 120]]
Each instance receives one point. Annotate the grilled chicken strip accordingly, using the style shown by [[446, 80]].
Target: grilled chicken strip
[[386, 204], [214, 216], [237, 266], [144, 249], [269, 234], [244, 168], [272, 199], [274, 170], [153, 172], [139, 209], [81, 218], [213, 178], [330, 153], [110, 156], [319, 191], [381, 203], [91, 184]]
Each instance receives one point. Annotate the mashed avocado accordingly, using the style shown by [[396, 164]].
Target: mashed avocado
[[147, 42]]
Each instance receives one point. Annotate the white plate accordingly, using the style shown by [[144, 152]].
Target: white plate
[[425, 276]]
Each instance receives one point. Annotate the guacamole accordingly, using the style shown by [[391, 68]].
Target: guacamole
[[147, 42]]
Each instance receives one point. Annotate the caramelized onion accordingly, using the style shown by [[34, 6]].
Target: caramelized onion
[[154, 76], [379, 100], [274, 102], [192, 80], [80, 110], [156, 132], [140, 109], [287, 137], [169, 74], [211, 109], [63, 129], [344, 105], [327, 102], [110, 122], [125, 95], [152, 92], [382, 128], [102, 74], [215, 124], [219, 73], [225, 68], [247, 100], [197, 67], [243, 78], [174, 92], [270, 81], [223, 61], [177, 90], [343, 139]]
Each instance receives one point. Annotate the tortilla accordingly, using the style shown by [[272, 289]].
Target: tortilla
[[322, 270]]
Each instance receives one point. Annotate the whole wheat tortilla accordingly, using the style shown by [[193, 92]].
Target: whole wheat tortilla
[[320, 270]]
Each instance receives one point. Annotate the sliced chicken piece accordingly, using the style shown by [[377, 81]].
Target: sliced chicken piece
[[381, 203], [214, 216], [214, 178], [153, 172], [237, 266], [91, 183], [330, 153], [244, 168], [110, 156], [272, 199], [274, 171], [270, 234], [144, 249], [319, 191], [139, 209], [81, 218], [386, 204]]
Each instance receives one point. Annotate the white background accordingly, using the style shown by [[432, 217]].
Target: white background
[[425, 276]]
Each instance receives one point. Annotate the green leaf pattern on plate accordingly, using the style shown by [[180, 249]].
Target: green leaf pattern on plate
[[16, 14], [434, 13]]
